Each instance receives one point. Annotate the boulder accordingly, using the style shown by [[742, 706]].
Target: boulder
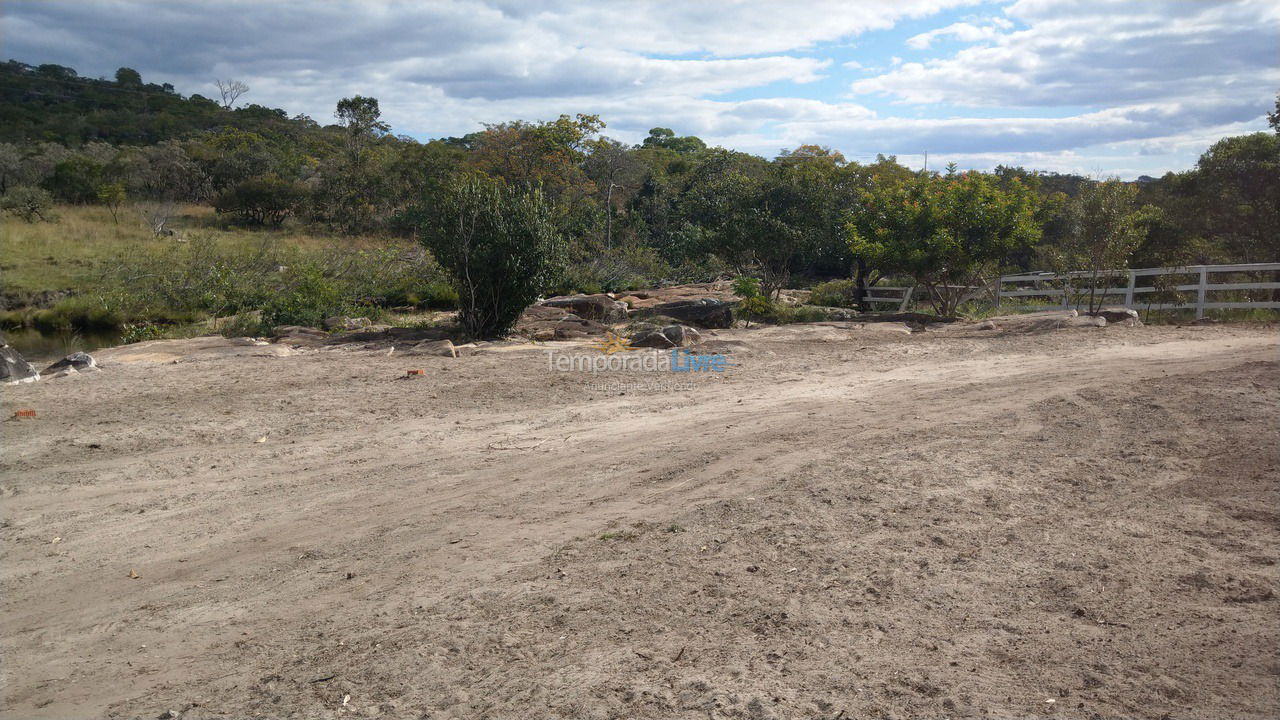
[[341, 322], [1118, 316], [553, 323], [442, 348], [671, 336], [831, 314], [14, 368], [601, 308], [704, 313], [299, 335], [79, 361]]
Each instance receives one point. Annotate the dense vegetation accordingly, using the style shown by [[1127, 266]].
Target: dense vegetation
[[669, 209]]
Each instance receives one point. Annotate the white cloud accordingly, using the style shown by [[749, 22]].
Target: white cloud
[[1150, 77]]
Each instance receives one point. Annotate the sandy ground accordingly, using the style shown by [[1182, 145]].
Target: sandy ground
[[846, 524]]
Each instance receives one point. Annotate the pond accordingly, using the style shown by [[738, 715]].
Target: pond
[[45, 347]]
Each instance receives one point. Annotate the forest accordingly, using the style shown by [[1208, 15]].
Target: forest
[[581, 212]]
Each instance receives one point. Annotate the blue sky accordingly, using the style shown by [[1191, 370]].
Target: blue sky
[[1099, 87]]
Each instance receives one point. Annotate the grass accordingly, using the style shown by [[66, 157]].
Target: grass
[[70, 254], [88, 273]]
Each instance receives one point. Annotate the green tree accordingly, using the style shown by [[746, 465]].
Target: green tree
[[112, 195], [361, 118], [28, 203], [500, 246], [1105, 226], [267, 200], [949, 233], [128, 77]]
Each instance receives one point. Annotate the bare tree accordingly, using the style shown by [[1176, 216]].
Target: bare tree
[[231, 89]]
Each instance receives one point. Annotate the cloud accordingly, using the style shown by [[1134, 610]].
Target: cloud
[[1059, 79], [1098, 53]]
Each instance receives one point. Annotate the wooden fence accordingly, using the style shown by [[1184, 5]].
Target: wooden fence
[[1067, 287]]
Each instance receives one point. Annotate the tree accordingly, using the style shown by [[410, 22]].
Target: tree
[[112, 195], [949, 233], [265, 200], [230, 90], [28, 203], [128, 77], [666, 138], [499, 245], [362, 119], [1237, 182], [1104, 227]]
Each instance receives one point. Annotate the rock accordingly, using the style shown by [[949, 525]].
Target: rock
[[1119, 316], [601, 308], [341, 322], [540, 320], [543, 335], [704, 313], [671, 336], [830, 314], [985, 325], [299, 335], [15, 369], [443, 348], [79, 361]]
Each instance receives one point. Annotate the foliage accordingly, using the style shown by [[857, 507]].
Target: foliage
[[1105, 226], [835, 293], [30, 204], [499, 245], [949, 233], [265, 200]]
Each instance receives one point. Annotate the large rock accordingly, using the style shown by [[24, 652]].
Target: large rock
[[442, 348], [299, 335], [600, 308], [79, 361], [342, 322], [543, 322], [14, 368], [1118, 316], [671, 336], [704, 313]]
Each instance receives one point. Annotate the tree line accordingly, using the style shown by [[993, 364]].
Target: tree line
[[668, 209]]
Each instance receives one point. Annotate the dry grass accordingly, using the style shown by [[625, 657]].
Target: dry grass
[[70, 253]]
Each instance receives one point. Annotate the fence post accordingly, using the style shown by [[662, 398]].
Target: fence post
[[1128, 293], [1202, 290], [999, 284], [906, 298]]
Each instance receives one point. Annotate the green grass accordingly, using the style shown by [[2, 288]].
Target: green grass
[[72, 253]]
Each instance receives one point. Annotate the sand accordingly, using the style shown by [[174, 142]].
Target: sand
[[848, 523]]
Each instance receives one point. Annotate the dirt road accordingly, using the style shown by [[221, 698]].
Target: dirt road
[[847, 523]]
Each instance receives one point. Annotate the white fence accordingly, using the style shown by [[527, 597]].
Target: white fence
[[1132, 291], [876, 294]]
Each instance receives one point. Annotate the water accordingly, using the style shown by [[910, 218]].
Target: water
[[41, 347]]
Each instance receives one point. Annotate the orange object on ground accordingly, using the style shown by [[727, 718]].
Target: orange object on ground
[[417, 372], [25, 413]]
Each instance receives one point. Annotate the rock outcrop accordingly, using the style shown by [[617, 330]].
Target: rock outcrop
[[601, 308]]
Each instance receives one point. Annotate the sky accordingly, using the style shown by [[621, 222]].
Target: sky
[[1096, 87]]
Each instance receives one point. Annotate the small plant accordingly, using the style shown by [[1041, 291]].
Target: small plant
[[837, 293], [753, 303], [625, 535]]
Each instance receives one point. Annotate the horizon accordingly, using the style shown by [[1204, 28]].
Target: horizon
[[1098, 89]]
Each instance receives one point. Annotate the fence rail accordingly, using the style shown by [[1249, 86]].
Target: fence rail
[[1131, 290]]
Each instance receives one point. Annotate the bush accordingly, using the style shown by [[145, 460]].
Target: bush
[[837, 293], [500, 246], [265, 200], [308, 299], [29, 203]]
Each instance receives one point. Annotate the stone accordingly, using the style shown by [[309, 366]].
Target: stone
[[985, 325], [671, 336], [342, 322], [79, 361], [544, 334], [14, 368], [442, 348], [299, 335], [831, 314], [1119, 316], [601, 308], [704, 313]]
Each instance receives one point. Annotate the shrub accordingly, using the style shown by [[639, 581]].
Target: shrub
[[308, 298], [266, 200], [499, 245], [29, 203], [837, 293]]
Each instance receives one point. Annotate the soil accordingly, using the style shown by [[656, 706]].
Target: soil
[[850, 522]]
